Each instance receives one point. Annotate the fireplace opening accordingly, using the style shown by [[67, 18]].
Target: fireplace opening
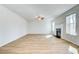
[[58, 32]]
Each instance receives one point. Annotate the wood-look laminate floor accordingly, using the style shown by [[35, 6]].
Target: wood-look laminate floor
[[38, 44]]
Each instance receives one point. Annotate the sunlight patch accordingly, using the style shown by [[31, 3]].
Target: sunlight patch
[[73, 50], [48, 36]]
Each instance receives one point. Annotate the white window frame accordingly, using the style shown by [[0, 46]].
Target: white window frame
[[71, 24]]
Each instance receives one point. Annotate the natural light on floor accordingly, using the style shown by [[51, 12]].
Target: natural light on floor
[[48, 36], [73, 50]]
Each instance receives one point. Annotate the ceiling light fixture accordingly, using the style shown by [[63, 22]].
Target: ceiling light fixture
[[39, 17]]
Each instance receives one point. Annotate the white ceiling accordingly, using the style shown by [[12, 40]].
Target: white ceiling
[[29, 11]]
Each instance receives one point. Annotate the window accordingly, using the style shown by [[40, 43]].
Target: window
[[71, 24], [53, 26]]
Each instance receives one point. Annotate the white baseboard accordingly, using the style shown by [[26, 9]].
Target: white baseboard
[[5, 43]]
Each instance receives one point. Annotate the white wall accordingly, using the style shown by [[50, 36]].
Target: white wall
[[12, 26], [61, 20], [39, 27]]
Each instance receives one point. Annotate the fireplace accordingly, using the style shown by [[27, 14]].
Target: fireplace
[[58, 32]]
